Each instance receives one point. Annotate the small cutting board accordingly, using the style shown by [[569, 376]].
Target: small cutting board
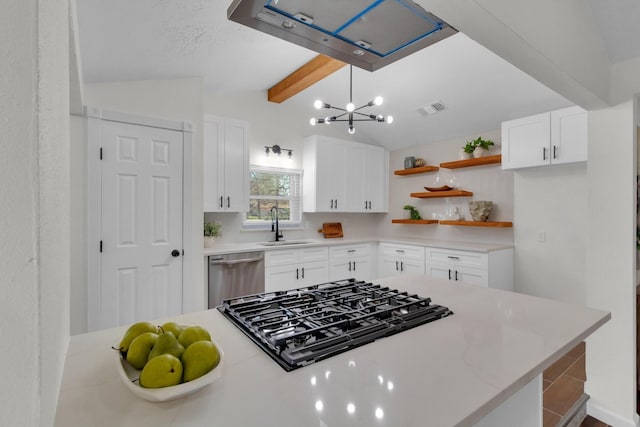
[[331, 230]]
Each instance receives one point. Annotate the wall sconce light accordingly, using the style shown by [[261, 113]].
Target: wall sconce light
[[276, 149]]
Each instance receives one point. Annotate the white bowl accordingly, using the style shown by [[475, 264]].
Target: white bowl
[[128, 375]]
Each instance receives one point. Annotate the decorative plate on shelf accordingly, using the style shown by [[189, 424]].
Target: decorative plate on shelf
[[443, 188], [130, 377]]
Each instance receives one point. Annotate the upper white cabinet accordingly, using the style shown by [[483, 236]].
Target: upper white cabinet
[[544, 139], [344, 176], [325, 175], [226, 165], [368, 178]]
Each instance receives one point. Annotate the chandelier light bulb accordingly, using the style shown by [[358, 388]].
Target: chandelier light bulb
[[327, 120], [389, 119], [312, 122], [352, 130], [350, 107], [378, 100], [318, 104]]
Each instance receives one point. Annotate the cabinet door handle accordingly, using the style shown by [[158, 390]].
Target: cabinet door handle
[[221, 202], [544, 153], [453, 257], [351, 250], [331, 203], [297, 272], [555, 151], [349, 265], [449, 274], [365, 205], [228, 201], [456, 275], [354, 266], [401, 266], [396, 265], [336, 203], [369, 204], [400, 251], [303, 272]]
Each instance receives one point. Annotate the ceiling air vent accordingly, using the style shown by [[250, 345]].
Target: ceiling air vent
[[434, 107]]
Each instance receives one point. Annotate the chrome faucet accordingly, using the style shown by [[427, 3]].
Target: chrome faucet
[[274, 224]]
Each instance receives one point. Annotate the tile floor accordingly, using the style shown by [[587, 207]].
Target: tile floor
[[563, 385]]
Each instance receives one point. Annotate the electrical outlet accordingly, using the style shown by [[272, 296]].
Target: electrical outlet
[[542, 236]]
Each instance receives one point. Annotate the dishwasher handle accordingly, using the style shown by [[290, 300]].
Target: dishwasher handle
[[221, 261]]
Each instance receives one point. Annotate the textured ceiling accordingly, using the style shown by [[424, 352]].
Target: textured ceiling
[[161, 39]]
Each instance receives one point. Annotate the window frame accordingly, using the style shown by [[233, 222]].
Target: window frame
[[283, 224]]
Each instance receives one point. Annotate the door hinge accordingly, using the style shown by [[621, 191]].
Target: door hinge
[[100, 246], [100, 153]]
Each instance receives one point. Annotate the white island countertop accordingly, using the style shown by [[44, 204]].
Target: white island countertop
[[451, 372]]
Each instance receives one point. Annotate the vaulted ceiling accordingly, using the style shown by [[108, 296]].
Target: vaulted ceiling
[[162, 39]]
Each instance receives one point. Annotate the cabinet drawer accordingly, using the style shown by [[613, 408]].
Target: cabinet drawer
[[344, 252], [403, 251], [313, 254], [462, 258], [280, 257]]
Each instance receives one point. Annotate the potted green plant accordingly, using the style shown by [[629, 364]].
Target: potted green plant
[[481, 147], [411, 212], [211, 231], [466, 152]]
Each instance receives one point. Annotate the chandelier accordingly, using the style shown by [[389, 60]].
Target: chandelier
[[350, 113]]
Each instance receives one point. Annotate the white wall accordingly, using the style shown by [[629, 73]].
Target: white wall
[[610, 272], [487, 182], [179, 99], [34, 226], [551, 200]]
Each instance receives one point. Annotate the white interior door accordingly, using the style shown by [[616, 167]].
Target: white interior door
[[141, 223]]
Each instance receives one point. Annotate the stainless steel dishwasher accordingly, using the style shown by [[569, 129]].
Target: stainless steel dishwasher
[[235, 275]]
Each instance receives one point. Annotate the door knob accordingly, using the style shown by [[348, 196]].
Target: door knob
[[175, 253]]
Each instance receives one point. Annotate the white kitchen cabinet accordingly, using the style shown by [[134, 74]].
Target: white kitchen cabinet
[[395, 259], [368, 178], [325, 175], [226, 165], [550, 138], [344, 176], [489, 269], [350, 261], [294, 268]]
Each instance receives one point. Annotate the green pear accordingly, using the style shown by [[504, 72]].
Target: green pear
[[193, 334], [140, 348], [173, 327], [198, 359], [162, 371], [133, 331], [167, 343]]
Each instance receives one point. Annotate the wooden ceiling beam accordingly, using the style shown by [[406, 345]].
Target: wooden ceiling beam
[[313, 71]]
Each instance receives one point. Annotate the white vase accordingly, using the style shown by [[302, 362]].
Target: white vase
[[406, 214], [480, 152], [209, 241], [463, 155]]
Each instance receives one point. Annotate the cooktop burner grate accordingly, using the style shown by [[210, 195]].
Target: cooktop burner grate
[[301, 326]]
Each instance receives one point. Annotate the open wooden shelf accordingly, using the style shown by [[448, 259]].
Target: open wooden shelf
[[498, 224], [414, 221], [412, 171], [486, 160], [435, 194]]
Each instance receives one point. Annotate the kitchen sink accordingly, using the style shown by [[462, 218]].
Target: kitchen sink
[[285, 243]]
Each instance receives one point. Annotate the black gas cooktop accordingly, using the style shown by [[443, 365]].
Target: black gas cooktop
[[301, 326]]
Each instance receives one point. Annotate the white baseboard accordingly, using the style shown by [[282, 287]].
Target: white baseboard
[[611, 418]]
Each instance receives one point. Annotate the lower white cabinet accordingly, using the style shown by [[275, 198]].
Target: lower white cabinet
[[395, 259], [294, 268], [350, 261], [489, 269]]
